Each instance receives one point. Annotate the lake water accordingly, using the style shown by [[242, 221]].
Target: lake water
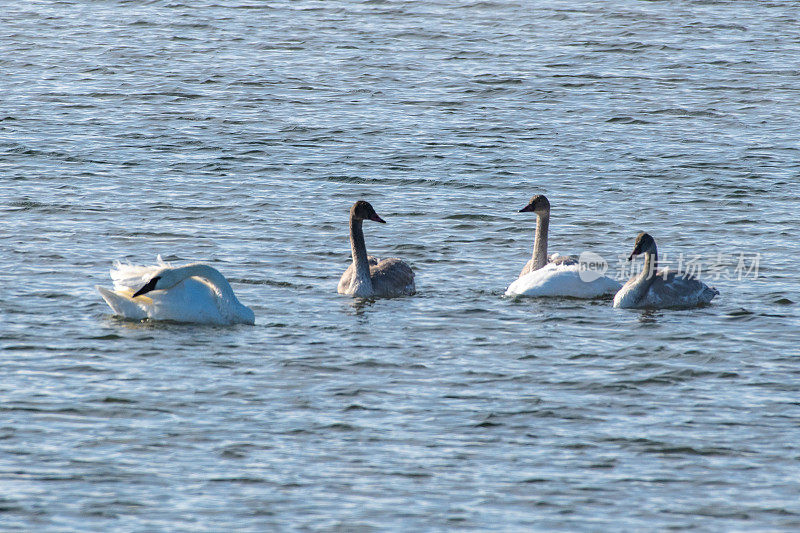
[[240, 134]]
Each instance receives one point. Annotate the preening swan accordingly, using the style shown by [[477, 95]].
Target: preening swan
[[651, 289], [556, 275], [368, 277], [194, 293]]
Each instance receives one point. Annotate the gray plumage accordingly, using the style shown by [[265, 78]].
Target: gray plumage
[[665, 288], [390, 277], [367, 276], [672, 289]]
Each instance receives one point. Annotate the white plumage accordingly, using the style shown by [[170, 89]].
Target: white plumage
[[195, 293], [554, 276], [555, 279]]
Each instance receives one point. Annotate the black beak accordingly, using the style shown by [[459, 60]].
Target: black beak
[[527, 208], [149, 286], [630, 257]]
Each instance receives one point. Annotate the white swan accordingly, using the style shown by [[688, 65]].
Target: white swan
[[195, 293], [555, 275], [368, 277], [651, 289]]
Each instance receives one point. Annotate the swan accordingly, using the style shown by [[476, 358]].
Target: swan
[[651, 289], [368, 277], [555, 275], [195, 293]]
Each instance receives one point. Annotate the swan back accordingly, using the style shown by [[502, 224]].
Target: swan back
[[669, 289], [392, 277], [672, 289], [554, 259]]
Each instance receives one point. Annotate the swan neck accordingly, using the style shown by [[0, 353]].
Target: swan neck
[[645, 278], [540, 241], [212, 275], [650, 263], [359, 250]]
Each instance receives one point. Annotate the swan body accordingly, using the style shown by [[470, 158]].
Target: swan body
[[561, 279], [194, 293], [662, 289], [555, 275], [367, 276]]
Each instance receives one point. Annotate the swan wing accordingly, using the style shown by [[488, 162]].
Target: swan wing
[[191, 300], [563, 259], [554, 259], [553, 280], [392, 277], [131, 277], [671, 289], [123, 305]]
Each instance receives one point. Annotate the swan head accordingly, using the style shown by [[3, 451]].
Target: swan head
[[149, 286], [538, 204], [362, 210], [164, 279], [644, 243]]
